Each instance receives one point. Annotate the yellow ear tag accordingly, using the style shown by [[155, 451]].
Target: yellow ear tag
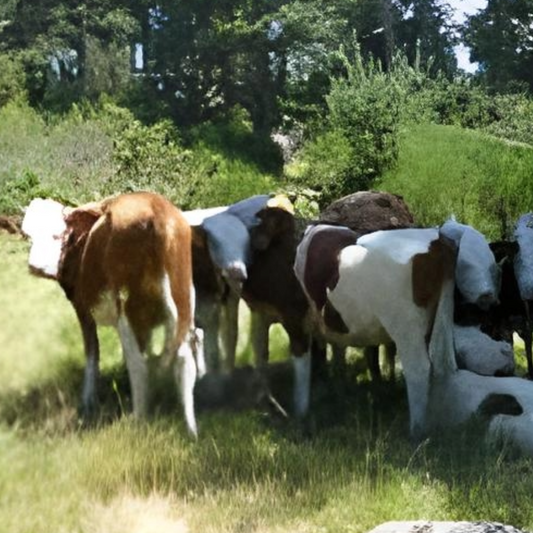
[[281, 202]]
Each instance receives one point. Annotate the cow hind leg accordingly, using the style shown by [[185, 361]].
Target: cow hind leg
[[416, 368], [230, 329], [89, 397], [137, 367], [260, 326], [182, 348], [371, 354], [185, 372]]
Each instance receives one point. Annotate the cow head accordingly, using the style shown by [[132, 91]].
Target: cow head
[[477, 275], [44, 223], [52, 229], [233, 234]]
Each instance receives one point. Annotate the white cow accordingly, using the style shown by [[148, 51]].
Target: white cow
[[394, 286]]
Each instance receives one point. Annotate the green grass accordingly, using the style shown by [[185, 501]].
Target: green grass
[[445, 170], [352, 469]]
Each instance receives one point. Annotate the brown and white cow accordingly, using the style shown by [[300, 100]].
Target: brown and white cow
[[124, 262], [398, 286]]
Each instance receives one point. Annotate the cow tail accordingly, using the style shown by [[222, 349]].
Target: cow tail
[[441, 344]]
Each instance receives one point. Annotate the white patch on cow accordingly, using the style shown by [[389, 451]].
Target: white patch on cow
[[302, 383], [137, 368], [235, 274], [360, 273], [199, 352], [195, 217], [106, 312], [171, 321], [186, 377], [169, 303], [400, 244], [44, 223]]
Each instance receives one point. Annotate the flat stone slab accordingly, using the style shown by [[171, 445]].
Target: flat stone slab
[[423, 526]]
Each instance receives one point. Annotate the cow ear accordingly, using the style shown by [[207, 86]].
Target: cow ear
[[80, 220]]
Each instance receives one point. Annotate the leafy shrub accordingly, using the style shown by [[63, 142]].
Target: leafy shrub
[[12, 79], [233, 136], [324, 165], [151, 158], [512, 116], [17, 193], [360, 137]]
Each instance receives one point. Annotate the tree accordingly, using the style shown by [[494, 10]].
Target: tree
[[501, 41], [59, 39], [426, 31]]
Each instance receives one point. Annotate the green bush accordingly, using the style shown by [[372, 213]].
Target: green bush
[[12, 79], [100, 150], [512, 118], [324, 165], [359, 138]]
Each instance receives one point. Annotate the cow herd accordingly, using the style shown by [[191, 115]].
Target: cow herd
[[362, 275]]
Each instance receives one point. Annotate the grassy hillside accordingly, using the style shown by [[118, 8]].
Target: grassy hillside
[[445, 170], [249, 471]]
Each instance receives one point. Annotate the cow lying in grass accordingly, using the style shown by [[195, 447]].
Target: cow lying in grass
[[397, 286], [124, 262]]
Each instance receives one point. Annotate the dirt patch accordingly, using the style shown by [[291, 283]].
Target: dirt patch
[[133, 514], [11, 224]]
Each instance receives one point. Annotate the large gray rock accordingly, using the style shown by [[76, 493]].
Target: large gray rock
[[423, 526], [368, 211]]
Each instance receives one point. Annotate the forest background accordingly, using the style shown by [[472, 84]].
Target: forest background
[[210, 102]]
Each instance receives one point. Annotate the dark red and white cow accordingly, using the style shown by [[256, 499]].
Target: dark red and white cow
[[394, 286], [124, 262]]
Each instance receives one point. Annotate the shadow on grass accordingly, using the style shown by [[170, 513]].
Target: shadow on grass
[[52, 403]]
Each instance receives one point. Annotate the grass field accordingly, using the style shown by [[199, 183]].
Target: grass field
[[447, 170], [248, 472]]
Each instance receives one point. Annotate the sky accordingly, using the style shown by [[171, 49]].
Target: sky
[[463, 8]]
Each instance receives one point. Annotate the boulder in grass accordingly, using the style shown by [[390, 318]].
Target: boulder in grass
[[423, 526], [368, 211]]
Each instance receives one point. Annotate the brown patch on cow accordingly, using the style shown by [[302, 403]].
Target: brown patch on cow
[[322, 262], [368, 211], [207, 277], [429, 273], [79, 223], [333, 319], [430, 270], [11, 224]]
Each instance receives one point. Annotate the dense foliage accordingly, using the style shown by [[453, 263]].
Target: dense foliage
[[186, 97]]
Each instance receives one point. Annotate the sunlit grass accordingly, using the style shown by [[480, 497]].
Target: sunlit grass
[[352, 468], [446, 170]]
